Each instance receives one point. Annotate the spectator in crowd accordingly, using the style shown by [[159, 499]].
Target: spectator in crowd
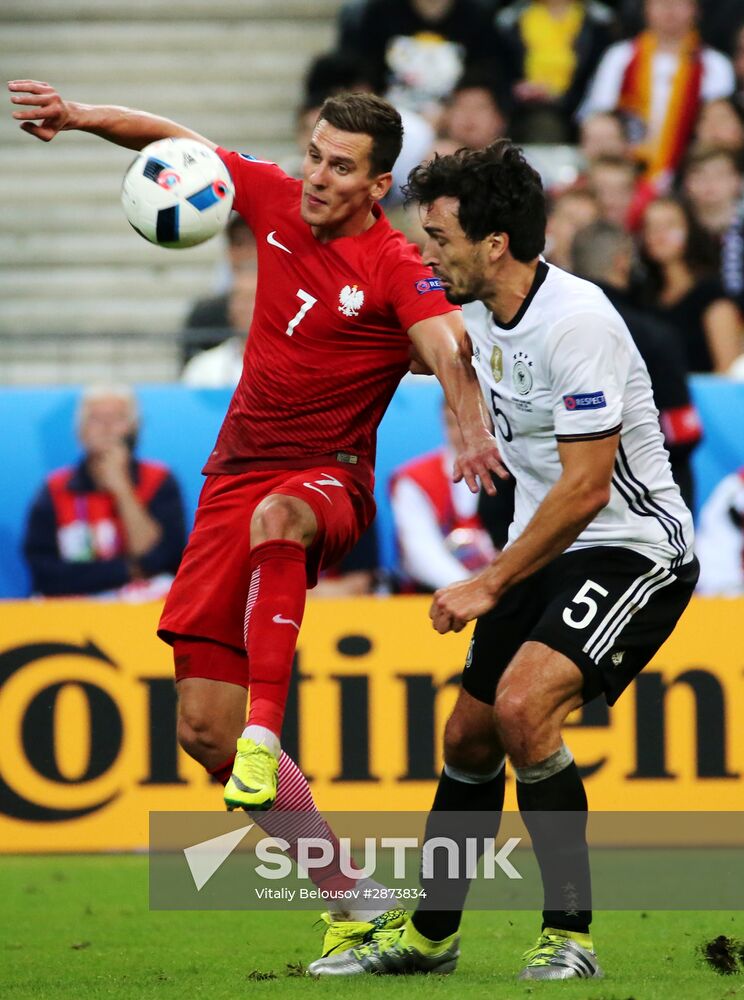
[[681, 284], [349, 22], [552, 49], [604, 135], [418, 49], [221, 366], [720, 125], [336, 72], [473, 116], [719, 538], [603, 253], [568, 213], [713, 184], [209, 321], [719, 20], [658, 80], [112, 521], [613, 182], [440, 536]]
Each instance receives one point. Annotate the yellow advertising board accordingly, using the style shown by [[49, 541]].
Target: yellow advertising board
[[88, 739]]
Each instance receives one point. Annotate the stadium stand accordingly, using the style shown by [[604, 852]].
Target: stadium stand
[[69, 265]]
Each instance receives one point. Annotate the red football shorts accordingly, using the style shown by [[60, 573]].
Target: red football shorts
[[208, 597]]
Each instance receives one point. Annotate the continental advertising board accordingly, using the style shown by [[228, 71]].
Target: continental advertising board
[[88, 734]]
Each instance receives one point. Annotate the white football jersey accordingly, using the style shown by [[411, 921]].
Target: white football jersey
[[566, 369]]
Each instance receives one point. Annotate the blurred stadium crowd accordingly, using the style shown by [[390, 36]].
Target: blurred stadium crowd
[[633, 112]]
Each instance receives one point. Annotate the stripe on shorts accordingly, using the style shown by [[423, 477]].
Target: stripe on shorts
[[632, 600]]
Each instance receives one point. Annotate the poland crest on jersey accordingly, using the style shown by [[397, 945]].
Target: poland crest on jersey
[[351, 300]]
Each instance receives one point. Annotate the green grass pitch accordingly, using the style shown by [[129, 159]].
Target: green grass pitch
[[79, 927]]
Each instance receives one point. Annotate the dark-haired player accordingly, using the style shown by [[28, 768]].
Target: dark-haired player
[[341, 297], [597, 570]]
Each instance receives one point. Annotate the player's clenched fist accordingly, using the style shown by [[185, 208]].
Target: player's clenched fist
[[39, 108], [454, 606]]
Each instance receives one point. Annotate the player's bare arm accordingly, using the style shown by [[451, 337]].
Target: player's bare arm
[[442, 344], [43, 113], [581, 492]]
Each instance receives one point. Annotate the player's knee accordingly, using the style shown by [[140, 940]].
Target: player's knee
[[514, 718], [198, 733], [470, 749], [282, 517]]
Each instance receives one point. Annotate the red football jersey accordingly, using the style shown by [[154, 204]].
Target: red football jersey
[[328, 343]]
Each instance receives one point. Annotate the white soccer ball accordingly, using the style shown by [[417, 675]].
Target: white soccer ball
[[177, 193]]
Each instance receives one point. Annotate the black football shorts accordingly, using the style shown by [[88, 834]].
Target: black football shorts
[[608, 609]]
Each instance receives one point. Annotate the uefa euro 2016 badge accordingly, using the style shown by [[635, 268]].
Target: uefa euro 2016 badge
[[521, 374], [497, 363], [351, 300]]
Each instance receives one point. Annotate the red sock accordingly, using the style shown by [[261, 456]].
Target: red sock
[[223, 771], [295, 815], [273, 615]]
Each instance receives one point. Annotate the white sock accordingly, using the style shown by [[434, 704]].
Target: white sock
[[366, 909], [260, 734]]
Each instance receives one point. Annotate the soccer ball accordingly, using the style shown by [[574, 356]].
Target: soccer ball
[[177, 193]]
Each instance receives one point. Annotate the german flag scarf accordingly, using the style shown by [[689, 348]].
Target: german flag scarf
[[662, 154]]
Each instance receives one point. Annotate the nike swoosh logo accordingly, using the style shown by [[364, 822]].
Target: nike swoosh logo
[[275, 243], [285, 621], [317, 489], [240, 786]]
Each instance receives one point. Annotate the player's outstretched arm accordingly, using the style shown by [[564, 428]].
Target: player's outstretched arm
[[442, 344], [43, 113]]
